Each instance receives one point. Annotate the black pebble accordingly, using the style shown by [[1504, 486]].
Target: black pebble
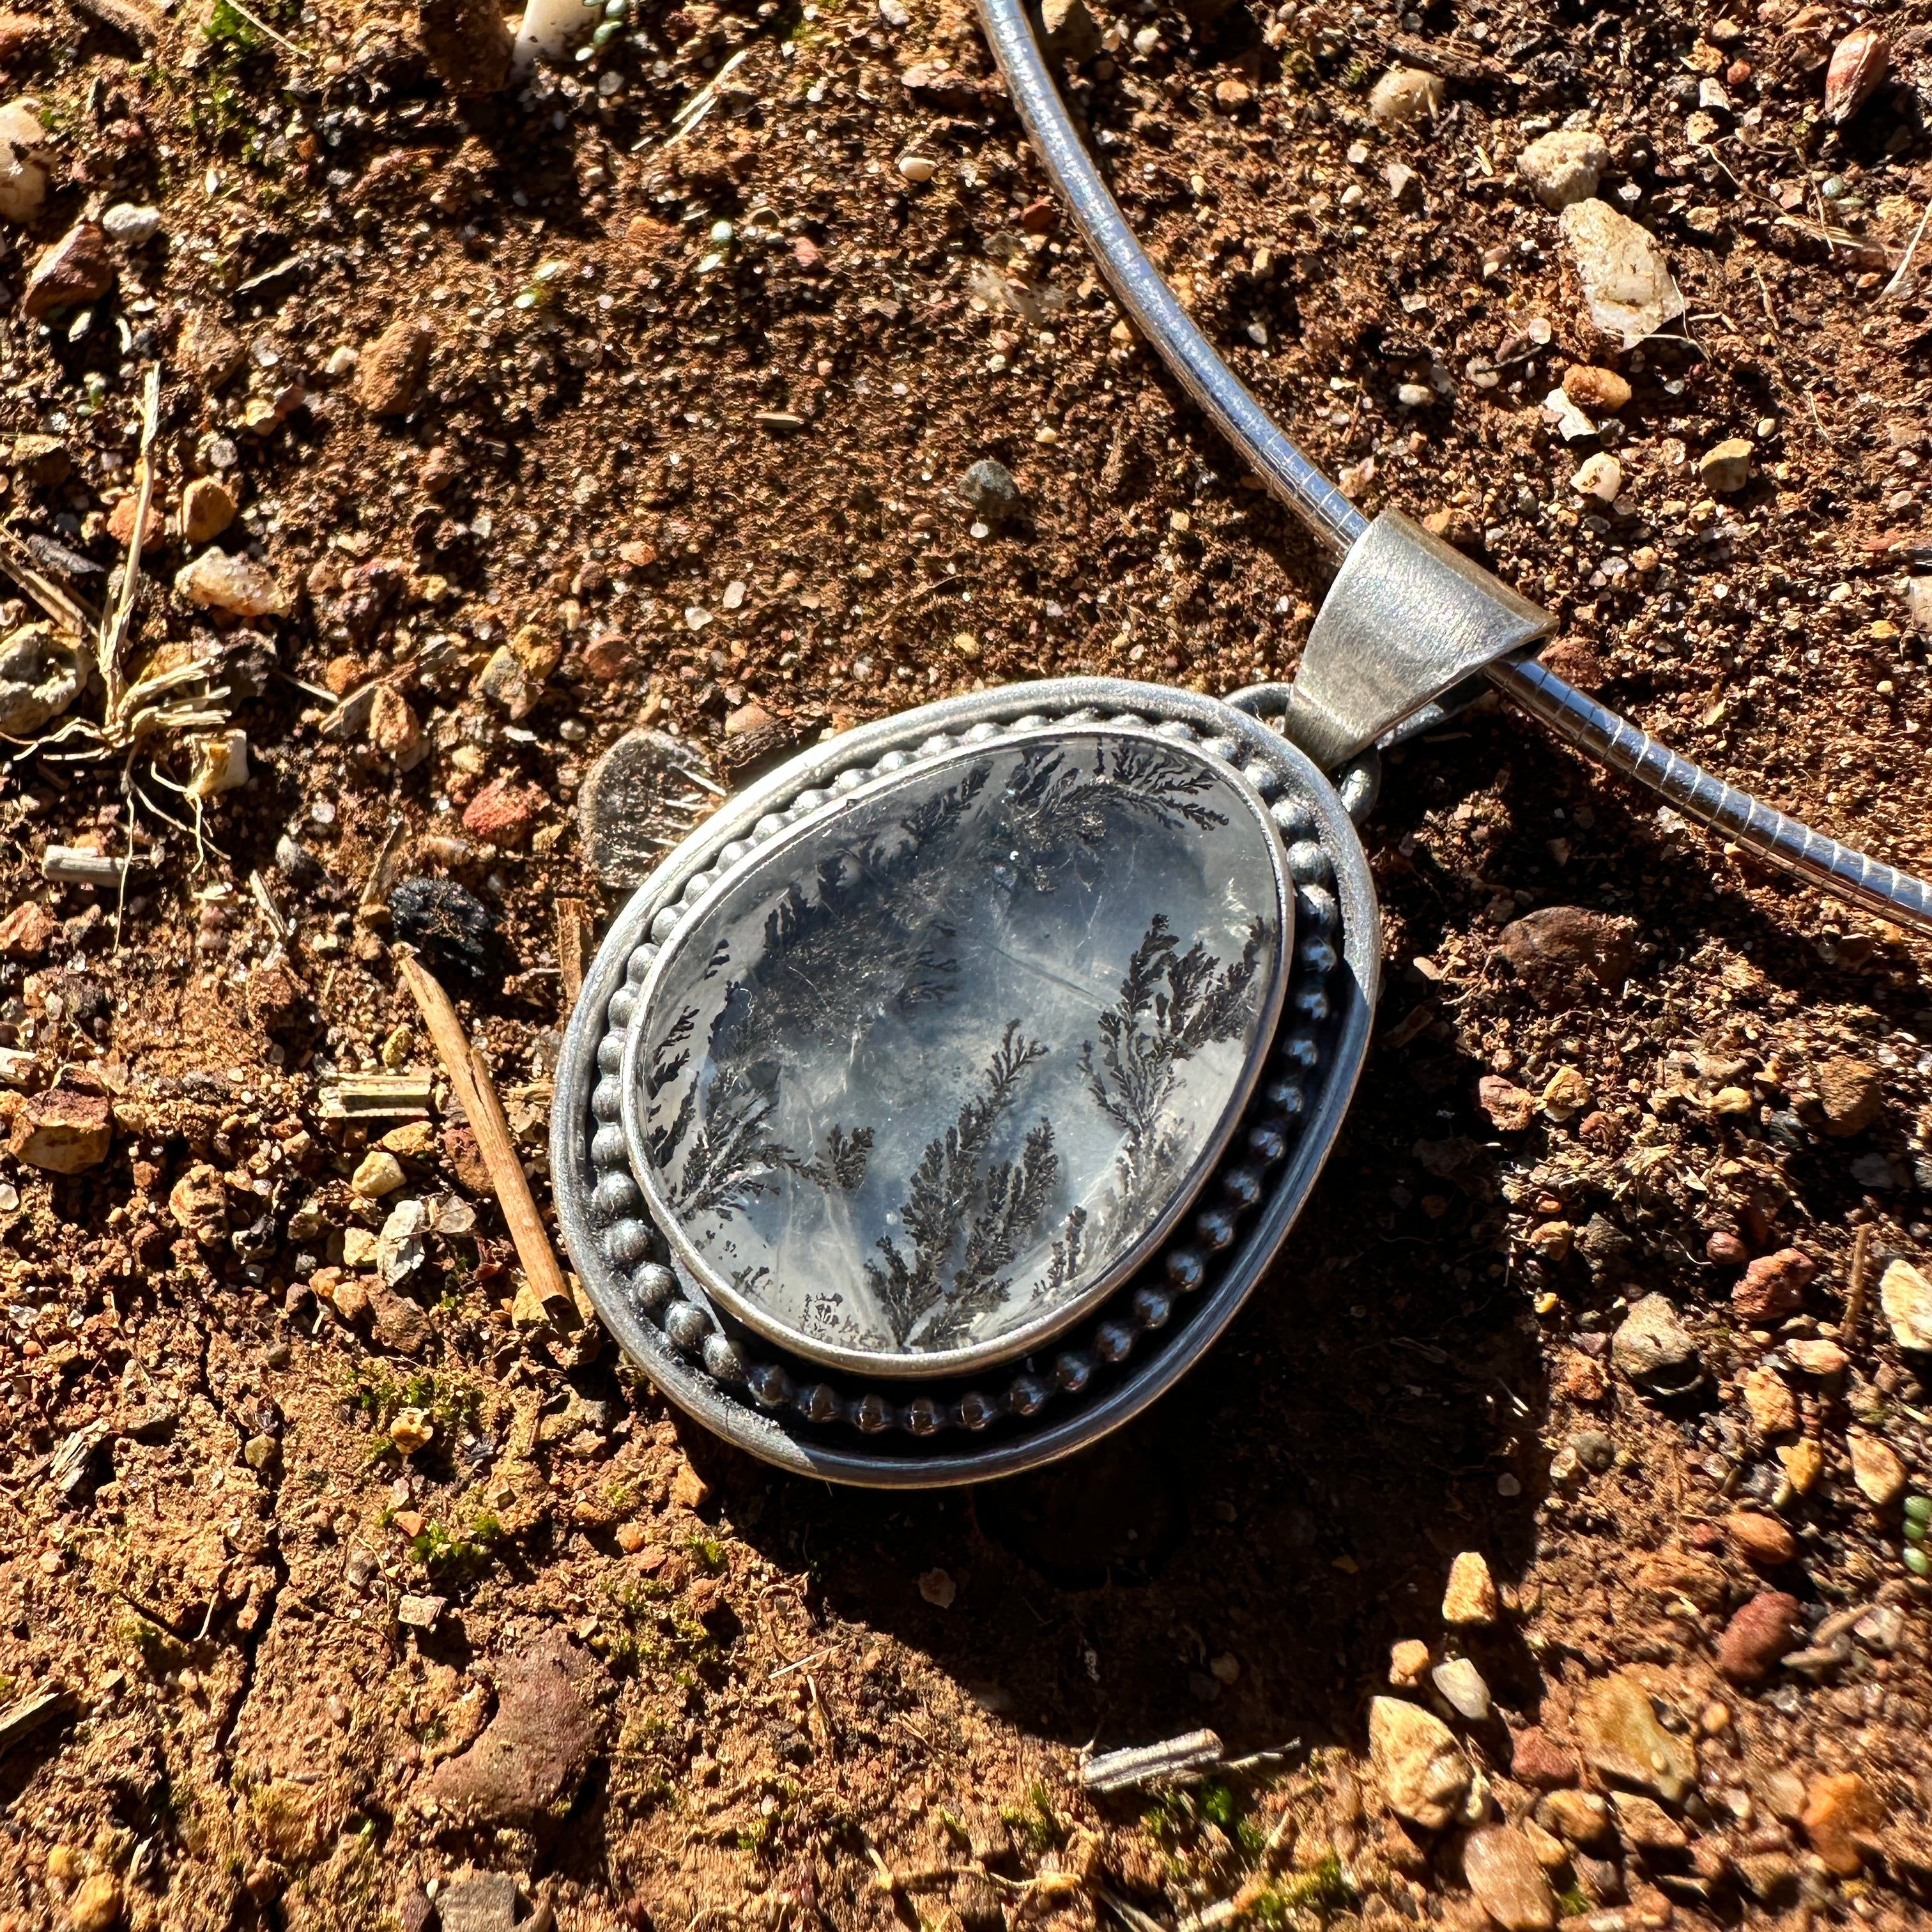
[[451, 928]]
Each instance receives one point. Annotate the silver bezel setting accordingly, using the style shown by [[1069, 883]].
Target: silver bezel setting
[[902, 1433], [801, 819]]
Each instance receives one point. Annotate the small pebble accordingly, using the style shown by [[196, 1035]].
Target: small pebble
[[1470, 1599], [130, 225], [1460, 1685], [1600, 476], [379, 1173]]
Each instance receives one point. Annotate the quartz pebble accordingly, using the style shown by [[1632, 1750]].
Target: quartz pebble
[[1506, 1877], [1422, 1769], [1598, 476], [1460, 1685], [131, 225], [1404, 96], [1905, 1299], [1470, 1599], [1564, 166], [1627, 288], [221, 581]]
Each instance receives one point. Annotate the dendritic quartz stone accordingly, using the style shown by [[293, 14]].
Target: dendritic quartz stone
[[921, 1076]]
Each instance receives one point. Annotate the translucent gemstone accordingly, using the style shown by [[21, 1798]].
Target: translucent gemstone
[[934, 1070]]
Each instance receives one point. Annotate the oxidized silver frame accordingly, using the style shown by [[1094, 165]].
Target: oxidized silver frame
[[788, 1409]]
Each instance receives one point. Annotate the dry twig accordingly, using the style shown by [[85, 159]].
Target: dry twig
[[470, 1077]]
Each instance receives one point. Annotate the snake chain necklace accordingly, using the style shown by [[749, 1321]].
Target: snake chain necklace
[[936, 1103]]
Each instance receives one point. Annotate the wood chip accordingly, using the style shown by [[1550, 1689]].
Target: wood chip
[[25, 1715], [377, 1096]]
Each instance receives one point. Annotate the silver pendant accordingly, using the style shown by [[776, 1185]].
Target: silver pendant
[[934, 1105]]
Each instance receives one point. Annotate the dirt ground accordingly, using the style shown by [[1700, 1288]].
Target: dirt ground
[[544, 415]]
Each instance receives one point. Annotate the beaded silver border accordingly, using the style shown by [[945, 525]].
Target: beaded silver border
[[1136, 1346]]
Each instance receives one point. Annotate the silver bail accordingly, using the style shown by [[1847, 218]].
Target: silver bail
[[1408, 617]]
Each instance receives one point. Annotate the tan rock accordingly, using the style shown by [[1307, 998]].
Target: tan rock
[[25, 158], [120, 523], [1773, 1409], [1510, 1109], [1840, 1815], [207, 509], [1726, 466], [394, 729], [1582, 1817], [27, 931], [77, 268], [1564, 166], [62, 1131], [688, 1490], [1761, 1539], [1627, 289], [1568, 1092], [236, 584], [1470, 1599], [1622, 1739], [1506, 1876], [1821, 1358], [1590, 388], [1422, 1769], [1878, 1472], [1409, 1658], [1643, 1822], [209, 351], [389, 375], [1404, 96], [97, 1905], [379, 1173], [412, 1430], [1851, 1094], [1804, 1464]]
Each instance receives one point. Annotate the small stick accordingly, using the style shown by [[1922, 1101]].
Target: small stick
[[1898, 282], [570, 929], [470, 1077], [1855, 1294], [372, 885]]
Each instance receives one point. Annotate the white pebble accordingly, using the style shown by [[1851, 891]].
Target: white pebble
[[1600, 476], [341, 365], [125, 222], [917, 168]]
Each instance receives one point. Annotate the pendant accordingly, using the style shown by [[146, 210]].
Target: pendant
[[934, 1105]]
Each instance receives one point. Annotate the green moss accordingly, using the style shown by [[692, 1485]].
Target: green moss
[[1321, 1888], [1035, 1824]]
